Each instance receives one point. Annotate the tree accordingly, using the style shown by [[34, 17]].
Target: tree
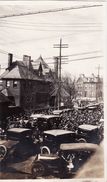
[[68, 84]]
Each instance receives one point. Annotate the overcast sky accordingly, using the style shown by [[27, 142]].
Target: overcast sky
[[35, 35]]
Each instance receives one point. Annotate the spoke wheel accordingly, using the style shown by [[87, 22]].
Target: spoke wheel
[[38, 170], [82, 140], [45, 150], [3, 151]]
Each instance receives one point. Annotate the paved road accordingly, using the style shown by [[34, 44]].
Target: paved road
[[18, 170]]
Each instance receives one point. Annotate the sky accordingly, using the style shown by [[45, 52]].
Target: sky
[[81, 29]]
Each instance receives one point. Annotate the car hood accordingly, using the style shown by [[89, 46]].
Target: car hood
[[8, 143]]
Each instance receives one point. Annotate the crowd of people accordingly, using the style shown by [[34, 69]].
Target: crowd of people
[[75, 118], [69, 120]]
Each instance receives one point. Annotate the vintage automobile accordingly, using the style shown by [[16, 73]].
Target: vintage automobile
[[18, 145], [49, 121], [90, 133], [59, 112], [51, 139], [35, 116], [2, 134], [66, 162], [46, 122]]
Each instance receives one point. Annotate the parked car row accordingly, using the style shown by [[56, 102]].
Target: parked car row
[[56, 150], [57, 153], [67, 161], [50, 140]]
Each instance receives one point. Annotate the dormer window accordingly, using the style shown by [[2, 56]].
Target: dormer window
[[15, 83]]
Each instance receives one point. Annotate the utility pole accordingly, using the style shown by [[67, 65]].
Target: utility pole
[[98, 84], [60, 46], [98, 68]]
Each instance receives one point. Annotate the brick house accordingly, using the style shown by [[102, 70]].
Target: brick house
[[90, 87], [25, 85]]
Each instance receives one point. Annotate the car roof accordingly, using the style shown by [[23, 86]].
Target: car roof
[[88, 127], [36, 115], [67, 109], [79, 146], [18, 130], [80, 108], [57, 132], [57, 111], [49, 116]]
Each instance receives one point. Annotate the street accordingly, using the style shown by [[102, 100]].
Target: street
[[22, 170], [19, 170]]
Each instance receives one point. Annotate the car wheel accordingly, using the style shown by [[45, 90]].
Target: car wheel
[[45, 150], [82, 140], [3, 152], [38, 170]]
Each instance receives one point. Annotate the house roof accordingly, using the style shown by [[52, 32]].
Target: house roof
[[90, 79], [19, 70], [28, 70], [40, 63], [82, 78]]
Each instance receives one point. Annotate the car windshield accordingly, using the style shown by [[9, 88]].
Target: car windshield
[[18, 133], [48, 123], [58, 139]]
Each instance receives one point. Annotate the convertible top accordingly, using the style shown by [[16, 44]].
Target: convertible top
[[79, 146], [58, 132], [49, 116], [35, 116], [56, 112], [88, 127], [60, 111], [18, 130]]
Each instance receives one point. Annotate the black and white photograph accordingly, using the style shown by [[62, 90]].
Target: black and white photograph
[[52, 86]]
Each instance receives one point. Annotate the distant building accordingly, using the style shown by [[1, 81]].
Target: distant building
[[90, 88], [27, 83]]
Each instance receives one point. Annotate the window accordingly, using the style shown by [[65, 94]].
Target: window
[[15, 83], [85, 94], [7, 83]]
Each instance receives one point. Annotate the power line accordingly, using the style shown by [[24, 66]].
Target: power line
[[79, 59], [50, 11], [52, 30], [77, 54], [49, 25], [6, 53], [46, 58]]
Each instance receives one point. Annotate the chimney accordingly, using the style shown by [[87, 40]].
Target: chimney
[[27, 60], [10, 59]]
